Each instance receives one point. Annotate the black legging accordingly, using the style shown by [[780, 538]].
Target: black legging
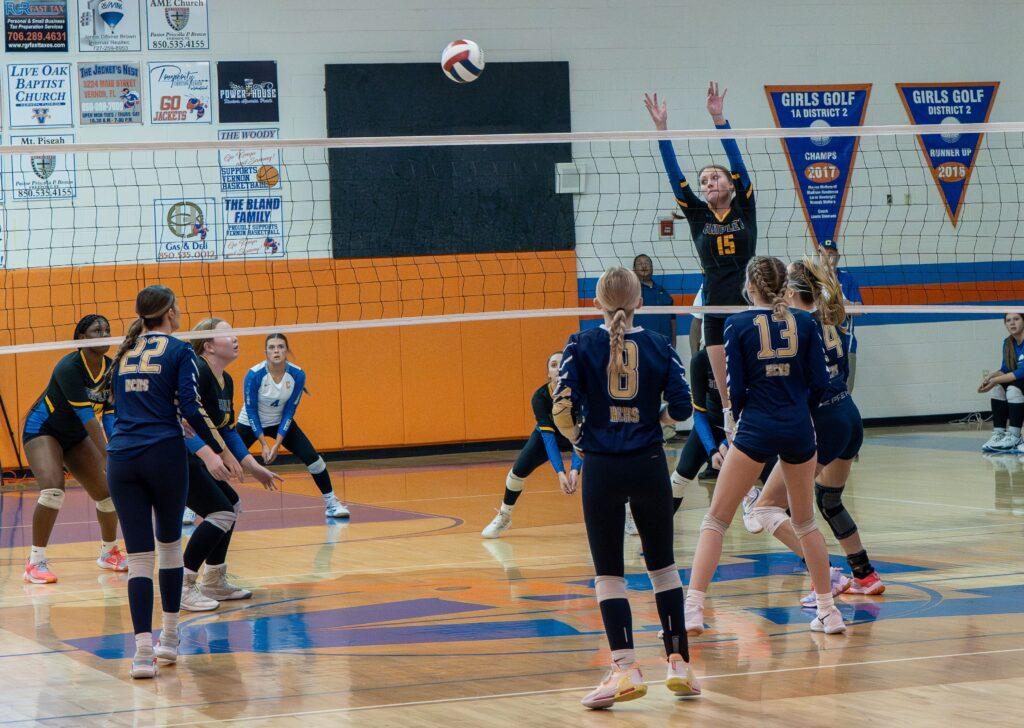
[[208, 543], [295, 440], [534, 454]]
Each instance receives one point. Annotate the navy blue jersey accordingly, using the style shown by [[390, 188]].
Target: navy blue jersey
[[155, 381], [836, 360], [622, 416], [776, 367]]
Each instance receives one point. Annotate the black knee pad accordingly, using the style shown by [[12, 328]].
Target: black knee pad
[[830, 504]]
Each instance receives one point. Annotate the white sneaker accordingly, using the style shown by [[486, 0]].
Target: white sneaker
[[188, 518], [693, 616], [215, 585], [1008, 442], [830, 623], [630, 523], [752, 524], [998, 433], [192, 600], [166, 648], [618, 686], [680, 679], [143, 664], [337, 509], [498, 526], [840, 584]]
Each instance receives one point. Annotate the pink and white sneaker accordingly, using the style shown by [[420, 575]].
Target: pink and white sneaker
[[618, 686], [680, 679], [840, 584], [113, 560], [871, 585], [39, 573]]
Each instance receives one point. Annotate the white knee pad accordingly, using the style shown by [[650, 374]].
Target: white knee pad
[[806, 528], [679, 484], [998, 392], [514, 483], [105, 506], [317, 467], [223, 520], [1014, 395], [237, 509], [666, 579], [610, 587], [770, 518], [169, 554], [51, 498], [710, 523], [140, 565]]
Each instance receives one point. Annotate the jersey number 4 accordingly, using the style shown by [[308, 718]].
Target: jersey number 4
[[137, 359], [833, 342], [626, 385], [788, 332]]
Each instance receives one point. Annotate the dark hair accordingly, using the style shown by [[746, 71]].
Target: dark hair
[[86, 321], [277, 335], [767, 275], [207, 324], [817, 285], [642, 255], [151, 305]]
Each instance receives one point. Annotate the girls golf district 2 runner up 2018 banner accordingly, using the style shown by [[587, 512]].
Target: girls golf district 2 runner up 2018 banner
[[950, 156], [822, 165]]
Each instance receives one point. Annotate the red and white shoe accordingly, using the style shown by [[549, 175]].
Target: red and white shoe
[[870, 585], [39, 573], [113, 560], [840, 584], [618, 686], [680, 679]]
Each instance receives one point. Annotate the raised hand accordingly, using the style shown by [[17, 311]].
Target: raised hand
[[658, 111], [716, 102]]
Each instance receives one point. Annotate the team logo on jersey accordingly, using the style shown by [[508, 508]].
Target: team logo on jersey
[[44, 165], [186, 220], [41, 114], [177, 17]]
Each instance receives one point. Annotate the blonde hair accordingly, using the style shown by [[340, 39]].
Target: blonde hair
[[816, 283], [767, 276], [618, 292], [207, 324]]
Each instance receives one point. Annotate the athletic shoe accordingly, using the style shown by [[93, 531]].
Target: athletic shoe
[[498, 526], [870, 585], [709, 473], [39, 573], [840, 584], [693, 616], [618, 686], [337, 509], [998, 434], [830, 623], [166, 648], [113, 560], [215, 585], [192, 600], [1007, 443], [630, 523], [680, 679], [752, 524], [143, 664], [188, 518]]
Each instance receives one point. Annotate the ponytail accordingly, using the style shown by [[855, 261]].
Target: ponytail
[[817, 284], [616, 345], [151, 305], [105, 390], [618, 294]]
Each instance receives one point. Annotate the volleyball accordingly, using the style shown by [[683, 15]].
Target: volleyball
[[462, 61]]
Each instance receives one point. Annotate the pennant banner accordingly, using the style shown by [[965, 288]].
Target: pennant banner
[[950, 156], [821, 165]]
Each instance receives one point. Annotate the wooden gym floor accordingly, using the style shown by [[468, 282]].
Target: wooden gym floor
[[406, 617]]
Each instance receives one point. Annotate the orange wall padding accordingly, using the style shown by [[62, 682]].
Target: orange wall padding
[[369, 388]]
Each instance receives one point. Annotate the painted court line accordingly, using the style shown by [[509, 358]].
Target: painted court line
[[528, 693]]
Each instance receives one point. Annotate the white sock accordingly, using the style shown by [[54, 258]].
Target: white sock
[[170, 623], [144, 642], [624, 659], [695, 597], [825, 602], [189, 572], [107, 546], [37, 554], [329, 498], [506, 509]]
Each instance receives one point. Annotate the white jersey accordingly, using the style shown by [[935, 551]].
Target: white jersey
[[269, 403]]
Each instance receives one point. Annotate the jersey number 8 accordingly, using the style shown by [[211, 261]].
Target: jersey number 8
[[143, 352], [628, 383], [788, 332]]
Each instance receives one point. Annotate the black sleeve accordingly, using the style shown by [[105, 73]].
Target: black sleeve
[[699, 379], [542, 410], [70, 380]]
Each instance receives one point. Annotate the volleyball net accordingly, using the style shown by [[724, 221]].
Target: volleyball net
[[353, 233]]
